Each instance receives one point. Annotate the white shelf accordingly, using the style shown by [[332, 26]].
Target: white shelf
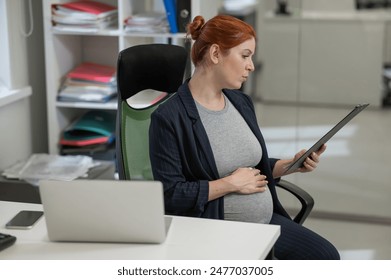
[[110, 105], [65, 49], [156, 35], [103, 32], [118, 33]]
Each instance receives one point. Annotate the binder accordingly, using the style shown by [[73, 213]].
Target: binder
[[91, 7], [94, 127], [170, 7], [84, 141], [183, 14], [83, 16], [93, 72]]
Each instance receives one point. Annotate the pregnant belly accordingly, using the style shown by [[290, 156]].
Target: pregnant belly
[[255, 208]]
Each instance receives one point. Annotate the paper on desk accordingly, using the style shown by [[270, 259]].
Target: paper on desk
[[12, 172], [50, 167]]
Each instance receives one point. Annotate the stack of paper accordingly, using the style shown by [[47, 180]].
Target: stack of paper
[[88, 16], [89, 82], [53, 167], [152, 22]]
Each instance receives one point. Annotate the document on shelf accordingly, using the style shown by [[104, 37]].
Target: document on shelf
[[151, 22], [93, 72], [89, 82], [84, 9], [83, 16], [87, 94]]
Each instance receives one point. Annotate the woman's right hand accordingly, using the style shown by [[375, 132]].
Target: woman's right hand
[[248, 180], [244, 180]]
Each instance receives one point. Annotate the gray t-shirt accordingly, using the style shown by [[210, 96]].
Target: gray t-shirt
[[234, 145]]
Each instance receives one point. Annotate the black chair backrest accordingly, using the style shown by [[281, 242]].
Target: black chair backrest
[[158, 67], [154, 66]]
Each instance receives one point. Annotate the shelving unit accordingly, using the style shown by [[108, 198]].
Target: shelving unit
[[65, 50]]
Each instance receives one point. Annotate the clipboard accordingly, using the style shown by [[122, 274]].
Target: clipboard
[[299, 162]]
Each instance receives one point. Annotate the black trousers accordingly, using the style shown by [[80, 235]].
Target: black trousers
[[299, 243]]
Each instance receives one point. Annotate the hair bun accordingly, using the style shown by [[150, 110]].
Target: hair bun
[[194, 28]]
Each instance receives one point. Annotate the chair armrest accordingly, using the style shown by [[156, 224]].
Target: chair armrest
[[306, 200]]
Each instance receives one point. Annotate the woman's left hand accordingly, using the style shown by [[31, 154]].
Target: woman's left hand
[[312, 161]]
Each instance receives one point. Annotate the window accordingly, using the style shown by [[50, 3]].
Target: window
[[10, 88]]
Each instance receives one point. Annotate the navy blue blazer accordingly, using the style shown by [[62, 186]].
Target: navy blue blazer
[[182, 158]]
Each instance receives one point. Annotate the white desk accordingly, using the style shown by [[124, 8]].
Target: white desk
[[188, 239]]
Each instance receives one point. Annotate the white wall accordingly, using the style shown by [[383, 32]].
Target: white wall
[[23, 128], [328, 5], [314, 5]]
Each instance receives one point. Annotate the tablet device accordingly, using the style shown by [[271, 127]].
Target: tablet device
[[299, 162]]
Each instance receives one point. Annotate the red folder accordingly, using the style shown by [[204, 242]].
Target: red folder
[[93, 72], [85, 142], [91, 7]]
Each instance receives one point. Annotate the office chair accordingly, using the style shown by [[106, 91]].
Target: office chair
[[159, 67], [305, 199]]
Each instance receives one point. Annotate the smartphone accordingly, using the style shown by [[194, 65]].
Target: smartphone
[[25, 219]]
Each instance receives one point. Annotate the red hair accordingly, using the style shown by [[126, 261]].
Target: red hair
[[223, 30]]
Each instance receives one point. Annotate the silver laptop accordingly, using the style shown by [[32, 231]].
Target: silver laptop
[[104, 211]]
